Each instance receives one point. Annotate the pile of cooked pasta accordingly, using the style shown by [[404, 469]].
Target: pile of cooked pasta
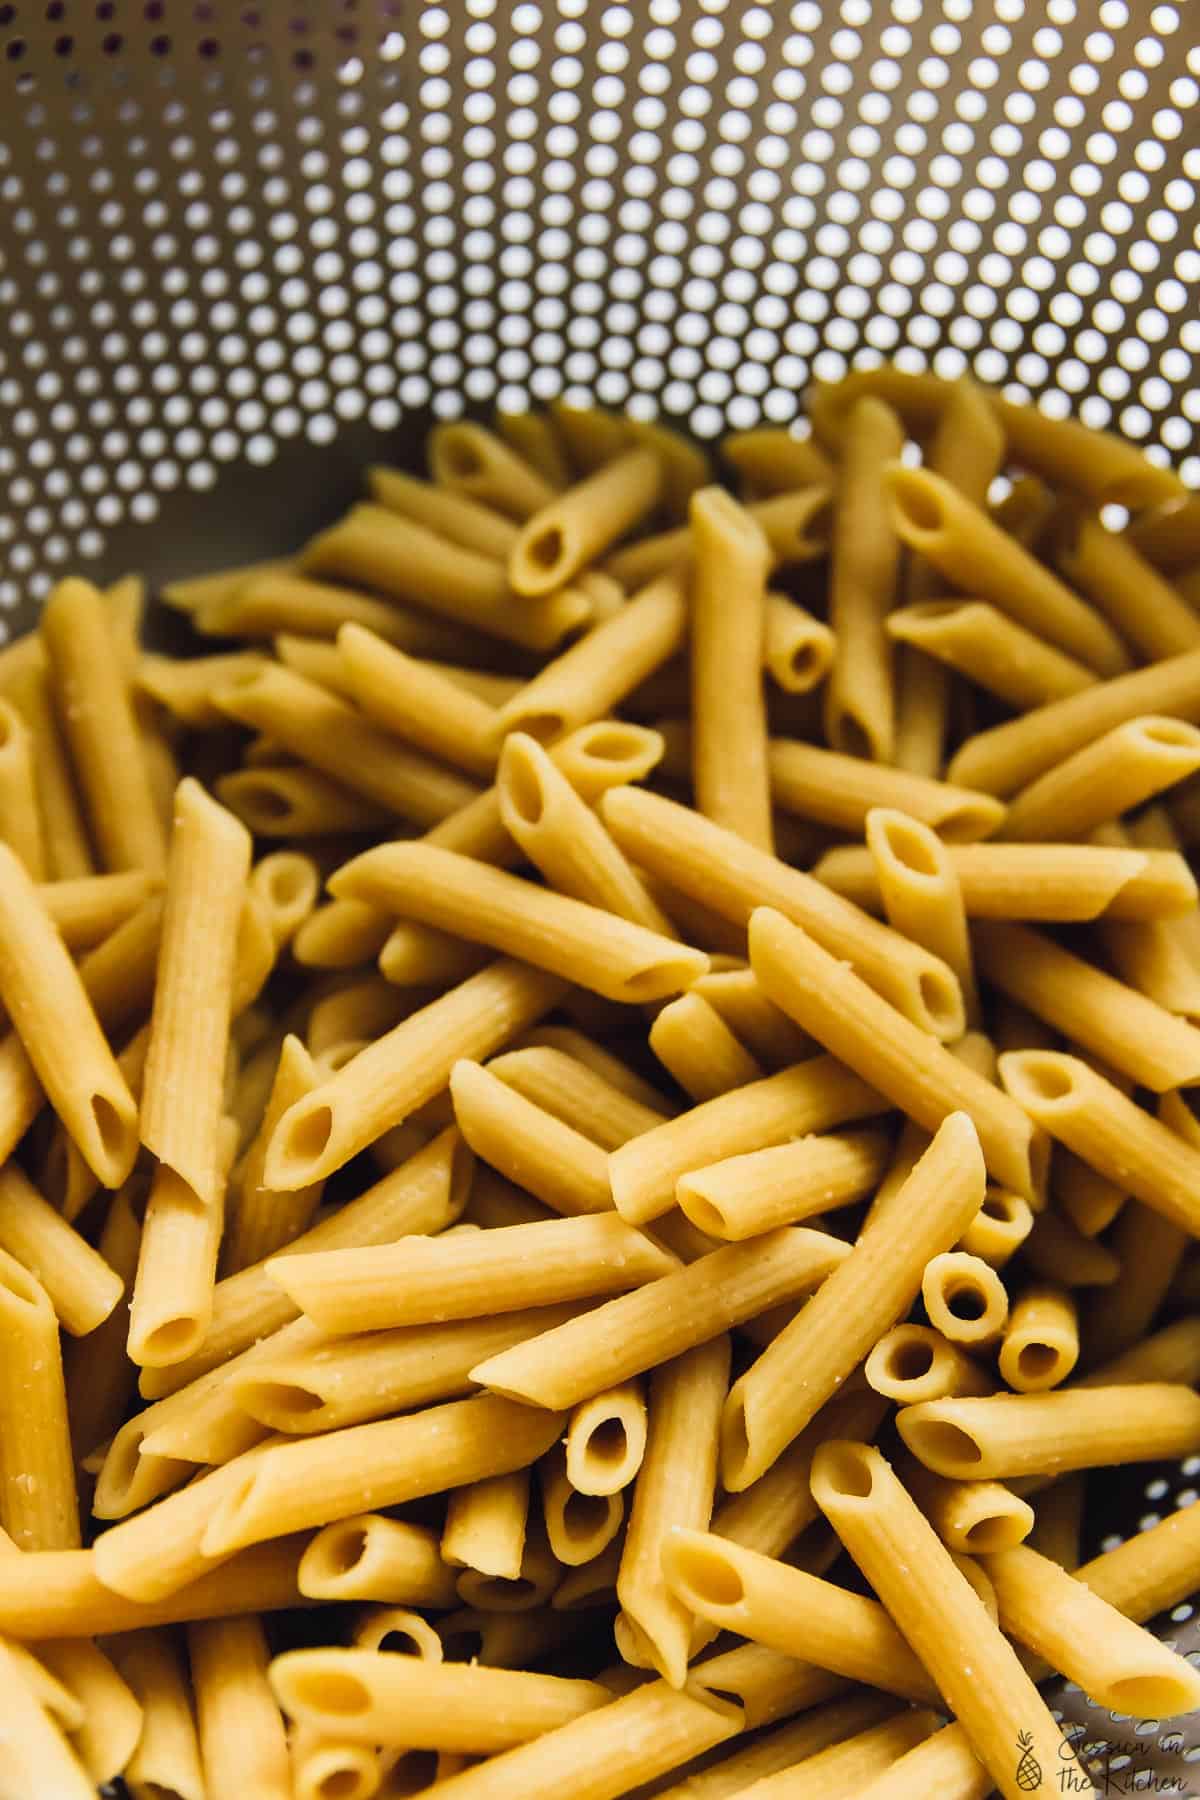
[[596, 1128]]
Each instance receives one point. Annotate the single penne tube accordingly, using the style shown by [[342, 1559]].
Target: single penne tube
[[534, 1585], [399, 1629], [606, 1440], [424, 1195], [859, 703], [692, 1040], [79, 1284], [341, 934], [242, 1736], [847, 1767], [1152, 616], [827, 999], [182, 1090], [93, 705], [921, 895], [290, 803], [1149, 1249], [1012, 755], [1041, 1340], [58, 1594], [784, 1748], [766, 1032], [583, 1094], [674, 1488], [685, 466], [38, 1505], [797, 648], [979, 641], [536, 438], [1003, 1435], [1151, 1571], [1099, 465], [999, 1228], [727, 641], [580, 942], [263, 1221], [614, 1342], [425, 1280], [943, 1619], [39, 1757], [922, 716], [287, 883], [767, 1686], [403, 1070], [57, 1025], [970, 1517], [485, 1525], [1167, 1355], [402, 559], [65, 841], [20, 817], [731, 877], [943, 1764], [1115, 1661], [371, 1557], [796, 525], [798, 1614], [967, 450], [442, 509], [564, 839], [964, 1298], [185, 686], [284, 601], [469, 459], [1058, 883], [815, 1096], [573, 528], [370, 1466], [111, 1726], [119, 974], [1168, 534], [612, 1069], [564, 1169], [579, 1527], [326, 1385], [963, 544], [919, 399], [841, 790], [327, 732], [1108, 1131], [594, 675], [774, 461], [746, 1195], [100, 1380], [863, 1297], [1110, 776], [89, 908], [911, 1363], [168, 1752], [420, 956], [411, 700]]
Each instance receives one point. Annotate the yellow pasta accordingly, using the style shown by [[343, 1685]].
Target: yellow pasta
[[859, 707], [727, 594], [921, 894], [797, 648], [168, 1752], [410, 699], [732, 878], [674, 1489], [771, 459], [746, 1195], [690, 1038], [922, 699], [451, 514], [796, 525], [79, 1284], [1041, 1339], [579, 1527], [979, 641], [570, 529], [262, 1221], [1000, 1227], [559, 1165], [1004, 1435], [869, 1291], [485, 1525], [469, 459], [846, 1767], [915, 1071], [94, 711], [242, 1738], [65, 843], [1117, 772], [974, 1667], [606, 1440], [586, 1093], [970, 1517], [1150, 614], [964, 1298], [536, 438], [20, 818], [38, 1756], [193, 997], [932, 517], [914, 1362], [38, 1506]]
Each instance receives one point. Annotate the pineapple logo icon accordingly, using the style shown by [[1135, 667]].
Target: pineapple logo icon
[[1029, 1769]]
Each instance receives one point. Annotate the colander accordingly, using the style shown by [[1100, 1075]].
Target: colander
[[248, 247]]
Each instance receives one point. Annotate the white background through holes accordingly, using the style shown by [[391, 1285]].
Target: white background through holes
[[246, 246], [273, 234]]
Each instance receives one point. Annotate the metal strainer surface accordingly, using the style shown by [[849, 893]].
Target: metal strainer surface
[[248, 247]]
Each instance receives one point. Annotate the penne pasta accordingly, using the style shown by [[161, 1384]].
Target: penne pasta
[[606, 1440], [1152, 616], [371, 1557], [1004, 1435], [38, 1505], [469, 459], [911, 1363], [290, 803], [841, 790], [20, 818], [974, 1667], [964, 1298], [64, 837], [917, 1073], [798, 649], [691, 1040], [962, 543], [288, 602], [732, 878], [422, 1280], [78, 1282], [859, 704], [772, 460], [921, 895], [866, 1294], [922, 720], [1000, 1227], [451, 514], [535, 438], [977, 640], [569, 530], [262, 1220], [39, 1758], [485, 1525], [846, 1767], [746, 1195], [167, 1756], [564, 1169], [971, 1517], [1041, 1339], [241, 1731], [579, 1527], [411, 700], [1115, 773]]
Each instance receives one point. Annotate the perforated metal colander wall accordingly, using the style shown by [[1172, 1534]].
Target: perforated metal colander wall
[[246, 247]]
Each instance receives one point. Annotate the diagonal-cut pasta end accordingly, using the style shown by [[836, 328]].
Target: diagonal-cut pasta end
[[1044, 1082]]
